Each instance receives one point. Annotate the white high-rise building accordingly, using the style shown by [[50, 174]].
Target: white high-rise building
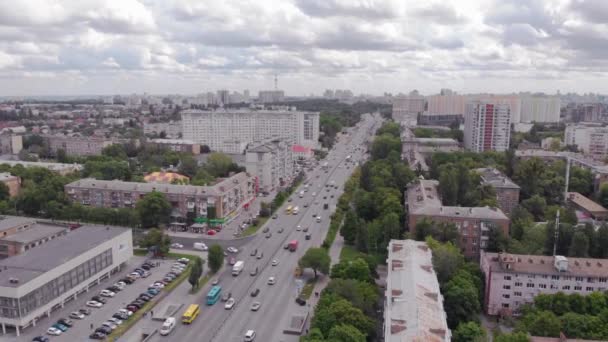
[[231, 131], [540, 108], [487, 126], [407, 108], [271, 96]]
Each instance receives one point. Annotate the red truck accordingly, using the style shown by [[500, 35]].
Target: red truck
[[293, 245]]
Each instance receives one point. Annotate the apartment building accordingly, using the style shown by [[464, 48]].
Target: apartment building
[[177, 145], [407, 108], [220, 202], [473, 223], [13, 183], [514, 279], [589, 138], [540, 108], [272, 162], [11, 143], [172, 130], [231, 131], [36, 283], [507, 192], [79, 146], [271, 96], [487, 126], [20, 234], [60, 168], [589, 208], [446, 104], [413, 306]]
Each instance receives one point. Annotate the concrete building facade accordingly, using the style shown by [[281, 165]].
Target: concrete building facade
[[272, 162], [413, 306], [513, 279], [177, 145], [271, 96], [507, 192], [11, 143], [540, 108], [407, 108], [173, 130], [79, 146], [487, 126], [220, 202], [473, 223], [43, 279], [231, 131]]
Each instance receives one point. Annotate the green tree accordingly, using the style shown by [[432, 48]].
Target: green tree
[[520, 220], [514, 337], [579, 247], [345, 333], [602, 241], [195, 272], [497, 241], [544, 323], [362, 240], [529, 176], [216, 258], [461, 301], [357, 269], [349, 227], [391, 128], [155, 239], [447, 259], [317, 259], [188, 166], [218, 164], [383, 145], [469, 332], [535, 205], [202, 177], [115, 151], [448, 185], [154, 209], [4, 192], [603, 195]]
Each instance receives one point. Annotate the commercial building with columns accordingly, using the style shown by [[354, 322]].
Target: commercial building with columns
[[43, 279]]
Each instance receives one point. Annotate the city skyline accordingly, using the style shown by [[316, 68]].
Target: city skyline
[[168, 47]]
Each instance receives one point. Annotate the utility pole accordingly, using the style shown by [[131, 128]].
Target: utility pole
[[567, 179]]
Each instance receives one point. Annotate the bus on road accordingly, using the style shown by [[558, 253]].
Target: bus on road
[[288, 210], [214, 295], [191, 313]]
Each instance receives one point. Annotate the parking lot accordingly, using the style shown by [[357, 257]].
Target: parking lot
[[82, 328]]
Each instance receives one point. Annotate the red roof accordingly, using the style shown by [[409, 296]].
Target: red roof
[[300, 149]]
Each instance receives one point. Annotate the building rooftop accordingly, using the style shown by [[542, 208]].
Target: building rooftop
[[174, 141], [243, 111], [37, 232], [164, 177], [414, 304], [495, 178], [542, 264], [50, 166], [46, 257], [586, 203], [216, 189], [8, 222]]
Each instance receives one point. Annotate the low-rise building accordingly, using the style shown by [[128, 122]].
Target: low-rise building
[[217, 204], [271, 162], [514, 279], [60, 168], [171, 130], [589, 208], [13, 183], [19, 234], [177, 145], [39, 281], [79, 146], [507, 192], [413, 309], [473, 223]]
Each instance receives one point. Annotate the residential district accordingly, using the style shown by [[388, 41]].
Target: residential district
[[342, 217]]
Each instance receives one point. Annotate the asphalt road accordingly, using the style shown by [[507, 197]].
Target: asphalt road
[[218, 324]]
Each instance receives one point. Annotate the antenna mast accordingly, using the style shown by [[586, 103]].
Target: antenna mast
[[276, 81]]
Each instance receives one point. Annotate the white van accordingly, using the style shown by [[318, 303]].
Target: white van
[[168, 326], [200, 246]]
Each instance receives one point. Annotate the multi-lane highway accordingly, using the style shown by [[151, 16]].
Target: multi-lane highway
[[278, 301]]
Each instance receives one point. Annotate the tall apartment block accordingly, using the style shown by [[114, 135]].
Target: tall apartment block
[[407, 108], [540, 109], [231, 131], [272, 162], [507, 192], [513, 279], [216, 204], [473, 223], [487, 126]]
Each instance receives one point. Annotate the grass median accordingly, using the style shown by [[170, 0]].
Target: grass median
[[308, 288]]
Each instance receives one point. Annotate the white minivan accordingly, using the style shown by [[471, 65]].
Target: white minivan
[[200, 246], [168, 326]]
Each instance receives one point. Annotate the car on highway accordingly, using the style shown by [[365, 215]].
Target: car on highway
[[215, 281], [200, 246], [250, 336], [275, 262], [232, 249], [177, 245], [266, 230], [272, 281], [298, 228], [76, 315], [255, 292], [225, 297], [305, 229], [211, 232], [286, 246], [305, 205], [229, 304], [274, 216], [308, 236], [254, 272], [53, 331], [168, 326], [260, 256], [269, 235], [94, 304], [255, 306], [301, 301], [280, 230], [289, 200], [254, 252]]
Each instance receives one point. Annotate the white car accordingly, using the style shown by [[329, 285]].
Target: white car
[[255, 306], [135, 275], [250, 336], [53, 331], [115, 320], [229, 304], [200, 246], [298, 228], [168, 326], [272, 281], [109, 324], [94, 304], [107, 293], [76, 315], [232, 249], [126, 312], [275, 262], [177, 245], [121, 285]]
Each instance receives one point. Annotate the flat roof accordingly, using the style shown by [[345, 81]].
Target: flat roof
[[495, 178], [542, 264], [35, 233], [8, 222], [46, 257]]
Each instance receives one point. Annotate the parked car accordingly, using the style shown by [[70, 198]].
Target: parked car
[[85, 311], [301, 301], [40, 339], [125, 311], [66, 321], [115, 320], [133, 308], [107, 293], [94, 304], [97, 335], [120, 316], [53, 331], [104, 330], [76, 315], [232, 261], [99, 299], [61, 327], [109, 324]]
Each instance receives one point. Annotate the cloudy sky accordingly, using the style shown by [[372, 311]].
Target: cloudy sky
[[66, 47]]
